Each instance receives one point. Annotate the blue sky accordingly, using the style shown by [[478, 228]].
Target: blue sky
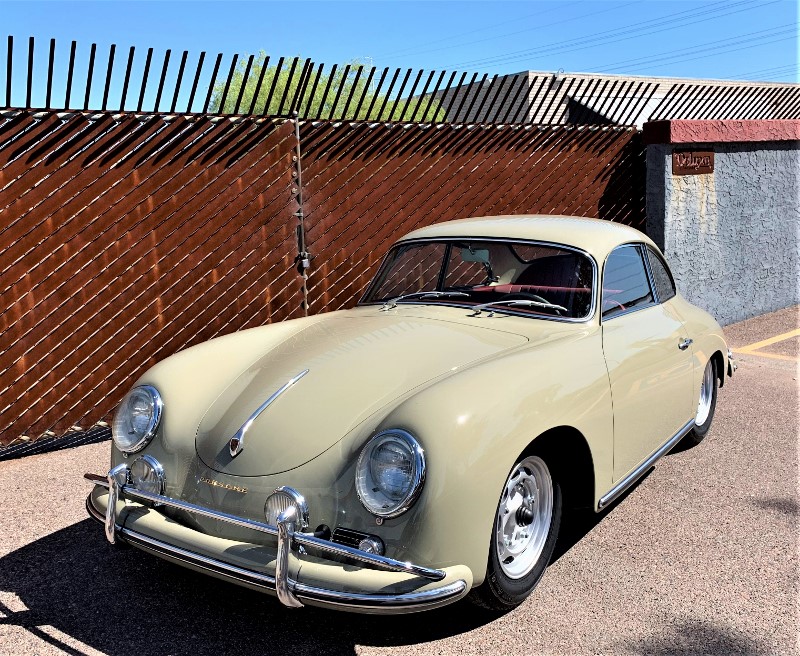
[[739, 39]]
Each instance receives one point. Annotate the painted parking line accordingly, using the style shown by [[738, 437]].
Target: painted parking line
[[753, 349]]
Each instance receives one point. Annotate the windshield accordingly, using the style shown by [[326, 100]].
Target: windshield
[[556, 281]]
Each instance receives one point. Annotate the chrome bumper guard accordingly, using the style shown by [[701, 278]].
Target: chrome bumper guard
[[289, 592], [732, 365]]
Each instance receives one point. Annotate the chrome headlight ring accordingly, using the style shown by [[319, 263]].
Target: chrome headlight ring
[[390, 473], [137, 418]]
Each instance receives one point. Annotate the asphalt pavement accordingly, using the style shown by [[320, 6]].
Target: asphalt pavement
[[701, 557]]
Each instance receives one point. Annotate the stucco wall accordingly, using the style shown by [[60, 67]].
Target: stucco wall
[[731, 236]]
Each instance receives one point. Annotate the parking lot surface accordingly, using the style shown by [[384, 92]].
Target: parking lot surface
[[700, 557]]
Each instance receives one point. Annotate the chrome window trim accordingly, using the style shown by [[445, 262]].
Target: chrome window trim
[[638, 308], [647, 250], [508, 240]]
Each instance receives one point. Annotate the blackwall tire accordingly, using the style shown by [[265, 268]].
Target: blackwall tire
[[706, 405], [524, 535]]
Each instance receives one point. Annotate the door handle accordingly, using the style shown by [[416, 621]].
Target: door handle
[[684, 344]]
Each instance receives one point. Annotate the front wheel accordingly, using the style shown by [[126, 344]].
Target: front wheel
[[705, 406], [524, 535]]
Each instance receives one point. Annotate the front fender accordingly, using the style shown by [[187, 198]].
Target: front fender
[[474, 425]]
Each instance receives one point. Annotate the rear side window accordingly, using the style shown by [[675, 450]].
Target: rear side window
[[625, 283], [665, 286]]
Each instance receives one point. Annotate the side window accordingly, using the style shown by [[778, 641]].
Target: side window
[[665, 287], [625, 282]]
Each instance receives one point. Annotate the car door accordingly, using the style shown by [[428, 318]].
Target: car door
[[648, 359]]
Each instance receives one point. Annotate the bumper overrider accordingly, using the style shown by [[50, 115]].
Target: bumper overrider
[[297, 572]]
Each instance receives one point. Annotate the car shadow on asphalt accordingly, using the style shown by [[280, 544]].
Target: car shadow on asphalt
[[577, 523], [119, 600]]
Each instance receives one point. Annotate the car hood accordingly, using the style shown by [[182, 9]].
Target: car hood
[[356, 365]]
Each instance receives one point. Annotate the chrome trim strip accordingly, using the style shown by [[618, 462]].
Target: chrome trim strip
[[637, 473], [535, 242], [236, 443], [377, 603], [286, 524], [305, 539]]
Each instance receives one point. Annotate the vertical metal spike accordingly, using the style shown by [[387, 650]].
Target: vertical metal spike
[[422, 97], [111, 51], [399, 94], [310, 102], [388, 93], [164, 69], [89, 75], [523, 84], [305, 74], [243, 83], [257, 90], [125, 84], [286, 86], [226, 88], [365, 92], [410, 96], [474, 100], [145, 76], [199, 68], [70, 71], [324, 98], [30, 74], [50, 59], [10, 68], [375, 94], [464, 96], [352, 91], [178, 81], [449, 97], [433, 96], [212, 82], [479, 118], [339, 91], [272, 86]]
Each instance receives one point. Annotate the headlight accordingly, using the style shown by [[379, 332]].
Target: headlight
[[147, 475], [390, 473], [137, 419], [280, 500]]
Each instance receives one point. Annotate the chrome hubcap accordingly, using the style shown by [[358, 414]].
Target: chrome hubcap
[[706, 394], [523, 518]]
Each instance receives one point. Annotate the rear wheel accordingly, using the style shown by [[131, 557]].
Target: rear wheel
[[705, 406], [523, 537]]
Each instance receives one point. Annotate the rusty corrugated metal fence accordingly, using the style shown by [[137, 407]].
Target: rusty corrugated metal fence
[[126, 238]]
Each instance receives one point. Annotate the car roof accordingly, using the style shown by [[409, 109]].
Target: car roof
[[595, 236]]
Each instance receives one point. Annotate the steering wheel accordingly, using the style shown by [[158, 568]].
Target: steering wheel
[[528, 296]]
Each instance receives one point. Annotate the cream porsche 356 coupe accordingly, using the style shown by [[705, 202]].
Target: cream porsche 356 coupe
[[396, 456]]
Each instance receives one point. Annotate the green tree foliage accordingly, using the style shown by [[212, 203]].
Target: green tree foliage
[[339, 89]]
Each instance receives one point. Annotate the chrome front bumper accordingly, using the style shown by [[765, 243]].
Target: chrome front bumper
[[290, 544]]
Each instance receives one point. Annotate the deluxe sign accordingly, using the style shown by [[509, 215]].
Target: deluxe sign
[[692, 162]]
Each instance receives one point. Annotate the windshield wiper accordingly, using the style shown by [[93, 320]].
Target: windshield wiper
[[392, 303], [521, 303]]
